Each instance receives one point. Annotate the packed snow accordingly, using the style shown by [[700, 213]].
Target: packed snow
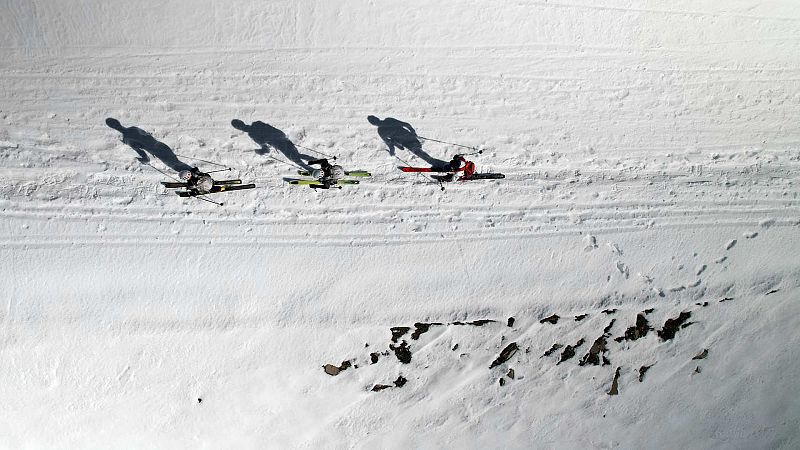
[[632, 283]]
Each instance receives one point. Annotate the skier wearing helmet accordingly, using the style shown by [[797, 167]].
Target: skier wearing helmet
[[328, 174], [196, 181], [455, 166]]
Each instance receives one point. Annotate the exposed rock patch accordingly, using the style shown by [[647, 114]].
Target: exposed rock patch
[[671, 326], [615, 384], [580, 317], [505, 354], [593, 357], [398, 332], [551, 319], [332, 370], [637, 331], [569, 351], [643, 370], [402, 352]]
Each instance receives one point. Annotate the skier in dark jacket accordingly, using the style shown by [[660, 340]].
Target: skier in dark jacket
[[196, 181], [455, 166], [328, 174]]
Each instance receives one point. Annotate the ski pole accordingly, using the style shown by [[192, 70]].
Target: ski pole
[[201, 160], [208, 200], [478, 151], [220, 170], [312, 150]]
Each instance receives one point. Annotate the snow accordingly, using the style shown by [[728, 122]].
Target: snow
[[651, 155]]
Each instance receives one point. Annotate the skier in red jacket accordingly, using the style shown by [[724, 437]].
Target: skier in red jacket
[[455, 166]]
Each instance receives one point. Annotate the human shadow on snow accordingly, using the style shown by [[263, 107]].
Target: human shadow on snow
[[143, 143], [268, 136], [398, 134]]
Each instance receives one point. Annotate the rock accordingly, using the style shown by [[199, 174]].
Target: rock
[[374, 357], [400, 381], [379, 387], [505, 354], [552, 319], [330, 369], [643, 370], [637, 331], [580, 317], [510, 373], [552, 350], [402, 352], [199, 400], [455, 347], [510, 321], [398, 332], [502, 381], [609, 311], [671, 326], [701, 355], [593, 356], [615, 384], [569, 351]]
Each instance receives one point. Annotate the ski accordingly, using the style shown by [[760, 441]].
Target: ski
[[215, 189], [353, 173], [485, 176], [175, 185], [310, 182], [425, 169]]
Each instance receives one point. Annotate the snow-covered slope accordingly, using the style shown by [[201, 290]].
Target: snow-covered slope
[[651, 151]]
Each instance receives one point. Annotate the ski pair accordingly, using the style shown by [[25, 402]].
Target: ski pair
[[474, 176], [353, 173], [316, 184], [180, 184], [217, 188]]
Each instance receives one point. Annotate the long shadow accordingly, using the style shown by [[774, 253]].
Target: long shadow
[[268, 137], [143, 143], [398, 134]]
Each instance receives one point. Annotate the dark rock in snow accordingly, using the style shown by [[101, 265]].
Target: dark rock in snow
[[649, 310], [510, 373], [398, 332], [598, 348], [511, 321], [615, 383], [552, 350], [402, 352], [671, 326], [569, 351], [199, 400], [607, 329], [637, 331], [455, 347], [374, 357], [580, 317], [420, 328], [772, 291], [502, 381], [643, 370], [726, 299], [704, 304], [380, 387], [400, 381], [702, 355], [552, 319], [609, 311], [505, 354]]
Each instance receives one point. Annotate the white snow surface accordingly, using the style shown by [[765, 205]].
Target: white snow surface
[[651, 151]]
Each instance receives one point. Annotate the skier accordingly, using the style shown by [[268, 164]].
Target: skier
[[455, 166], [197, 182], [328, 174]]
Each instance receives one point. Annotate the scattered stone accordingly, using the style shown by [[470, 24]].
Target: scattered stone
[[400, 381], [730, 244], [332, 370], [476, 323], [199, 400], [643, 370], [420, 328], [704, 304], [510, 373], [726, 299], [580, 317], [609, 311], [607, 329], [366, 344], [702, 355], [569, 351], [552, 350], [374, 357], [671, 326], [772, 291], [593, 357], [510, 321], [380, 387], [721, 259], [700, 269], [615, 383], [697, 369], [505, 354], [637, 331], [502, 381], [402, 352], [455, 347], [552, 319], [398, 332], [648, 310]]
